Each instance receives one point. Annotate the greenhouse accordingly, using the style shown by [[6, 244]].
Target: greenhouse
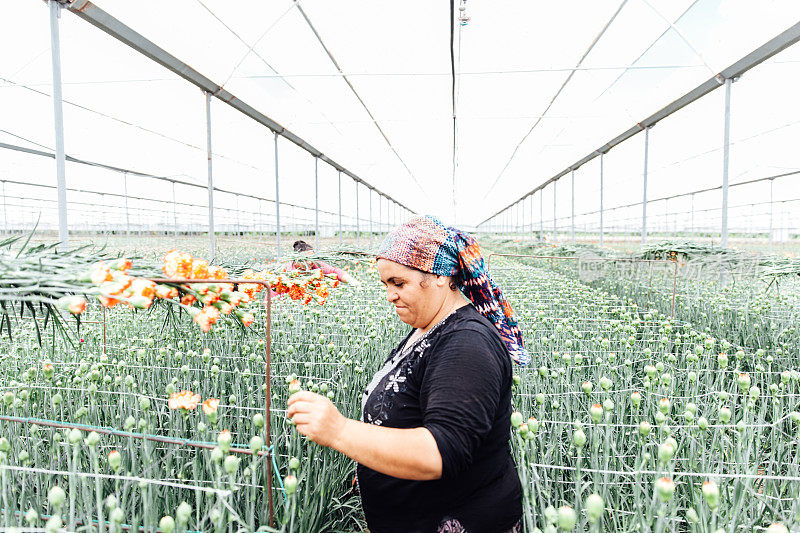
[[264, 264]]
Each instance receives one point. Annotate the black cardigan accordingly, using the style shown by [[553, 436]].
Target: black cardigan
[[456, 382]]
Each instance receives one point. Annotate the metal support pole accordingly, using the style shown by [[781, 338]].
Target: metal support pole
[[5, 210], [212, 247], [691, 219], [369, 192], [531, 202], [127, 217], [316, 203], [58, 121], [237, 215], [174, 213], [572, 228], [726, 148], [340, 207], [277, 202], [601, 200], [644, 181], [380, 215], [358, 225], [541, 219], [555, 226], [771, 211]]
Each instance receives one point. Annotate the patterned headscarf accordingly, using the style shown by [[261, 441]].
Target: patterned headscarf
[[428, 245]]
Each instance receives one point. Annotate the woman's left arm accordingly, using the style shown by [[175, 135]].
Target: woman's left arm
[[401, 453]]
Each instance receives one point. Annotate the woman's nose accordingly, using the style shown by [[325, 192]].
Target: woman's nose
[[391, 295]]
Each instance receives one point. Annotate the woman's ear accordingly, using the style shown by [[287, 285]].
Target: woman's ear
[[441, 281]]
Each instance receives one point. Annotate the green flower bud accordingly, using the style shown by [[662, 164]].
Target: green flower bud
[[290, 484], [31, 516], [256, 444], [294, 463], [53, 524], [596, 412], [644, 428], [144, 403], [224, 441], [231, 464], [579, 438], [777, 528], [167, 524], [636, 399], [217, 455], [56, 497], [74, 436], [566, 518], [594, 507], [183, 513], [115, 460], [665, 488], [516, 419], [551, 514], [665, 452], [93, 439], [117, 515], [711, 494]]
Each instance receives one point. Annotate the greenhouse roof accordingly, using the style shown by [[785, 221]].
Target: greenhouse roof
[[370, 86]]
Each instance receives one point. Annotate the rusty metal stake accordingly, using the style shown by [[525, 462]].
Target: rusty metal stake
[[268, 348]]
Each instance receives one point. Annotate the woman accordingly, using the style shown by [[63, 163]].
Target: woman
[[304, 248], [433, 448]]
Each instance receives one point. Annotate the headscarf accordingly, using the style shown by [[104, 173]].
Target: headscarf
[[426, 244]]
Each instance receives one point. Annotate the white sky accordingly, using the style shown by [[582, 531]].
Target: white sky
[[514, 57]]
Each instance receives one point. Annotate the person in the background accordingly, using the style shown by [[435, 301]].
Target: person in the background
[[304, 248]]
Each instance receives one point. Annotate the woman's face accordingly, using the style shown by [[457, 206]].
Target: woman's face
[[417, 300]]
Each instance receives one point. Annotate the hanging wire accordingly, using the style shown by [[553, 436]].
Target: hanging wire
[[353, 89], [552, 101], [645, 51]]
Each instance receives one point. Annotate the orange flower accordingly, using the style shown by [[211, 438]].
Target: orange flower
[[206, 317], [217, 272], [247, 319], [199, 269], [122, 279], [47, 367], [177, 264], [121, 264], [107, 302], [101, 273], [224, 307], [184, 399], [210, 406], [296, 292], [143, 287], [165, 292], [188, 299], [74, 304]]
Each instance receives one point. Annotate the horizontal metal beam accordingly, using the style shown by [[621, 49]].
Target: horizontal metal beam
[[71, 159], [753, 59], [115, 28], [698, 191]]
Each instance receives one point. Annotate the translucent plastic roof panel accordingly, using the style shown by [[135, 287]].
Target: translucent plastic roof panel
[[538, 87]]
